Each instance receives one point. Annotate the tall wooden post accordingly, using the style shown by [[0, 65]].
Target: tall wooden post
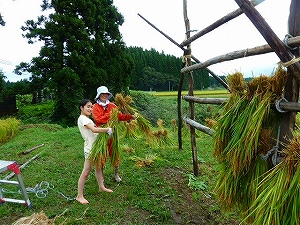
[[191, 93], [292, 87]]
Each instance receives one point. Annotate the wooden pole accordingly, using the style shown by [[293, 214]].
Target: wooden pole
[[258, 50], [223, 83], [218, 23], [30, 150], [275, 43], [191, 93], [199, 126], [215, 101], [291, 89]]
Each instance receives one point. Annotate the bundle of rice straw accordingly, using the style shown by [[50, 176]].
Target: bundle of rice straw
[[243, 133], [35, 219], [124, 105], [99, 150], [277, 201], [143, 162], [162, 135]]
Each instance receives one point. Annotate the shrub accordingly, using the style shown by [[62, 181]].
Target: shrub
[[36, 113]]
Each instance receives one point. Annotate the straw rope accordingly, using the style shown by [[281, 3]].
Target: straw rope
[[288, 63], [185, 58]]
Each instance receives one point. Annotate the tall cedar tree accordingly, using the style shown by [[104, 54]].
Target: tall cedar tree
[[82, 50]]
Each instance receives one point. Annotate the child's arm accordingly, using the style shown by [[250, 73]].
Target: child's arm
[[97, 129]]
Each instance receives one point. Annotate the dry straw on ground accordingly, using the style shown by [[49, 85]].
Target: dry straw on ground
[[35, 219]]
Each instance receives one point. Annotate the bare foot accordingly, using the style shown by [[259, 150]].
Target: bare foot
[[105, 189], [82, 200]]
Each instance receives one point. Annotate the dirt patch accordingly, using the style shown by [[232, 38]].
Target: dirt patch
[[191, 207]]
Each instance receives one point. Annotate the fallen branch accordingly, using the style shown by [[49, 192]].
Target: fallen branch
[[31, 149]]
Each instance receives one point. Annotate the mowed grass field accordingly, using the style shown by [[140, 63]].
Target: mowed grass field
[[163, 191]]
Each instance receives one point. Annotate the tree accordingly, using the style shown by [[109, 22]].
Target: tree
[[83, 45], [2, 85], [2, 22]]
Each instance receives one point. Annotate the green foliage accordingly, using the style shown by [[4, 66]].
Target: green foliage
[[82, 37], [69, 92], [36, 113], [23, 100], [150, 107], [147, 104], [196, 184]]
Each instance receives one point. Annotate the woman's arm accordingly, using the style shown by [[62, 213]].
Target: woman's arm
[[97, 129]]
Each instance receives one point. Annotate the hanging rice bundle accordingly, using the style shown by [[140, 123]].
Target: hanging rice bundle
[[239, 191], [210, 122], [236, 83], [278, 196], [124, 105], [244, 132], [242, 148], [224, 129]]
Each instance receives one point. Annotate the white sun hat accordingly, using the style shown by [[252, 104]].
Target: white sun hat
[[103, 90]]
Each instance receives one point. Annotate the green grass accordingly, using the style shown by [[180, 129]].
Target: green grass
[[164, 193], [146, 193]]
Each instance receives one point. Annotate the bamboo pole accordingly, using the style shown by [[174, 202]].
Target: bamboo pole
[[223, 83], [218, 23], [258, 50]]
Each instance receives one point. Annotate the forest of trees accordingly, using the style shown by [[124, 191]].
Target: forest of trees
[[83, 49], [154, 71]]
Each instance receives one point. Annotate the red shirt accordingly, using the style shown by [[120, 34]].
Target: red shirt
[[102, 114]]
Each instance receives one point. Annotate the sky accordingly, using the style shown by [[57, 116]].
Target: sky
[[166, 15]]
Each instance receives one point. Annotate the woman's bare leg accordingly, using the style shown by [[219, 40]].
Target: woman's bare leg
[[81, 181]]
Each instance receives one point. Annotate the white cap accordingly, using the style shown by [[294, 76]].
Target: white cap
[[103, 90]]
